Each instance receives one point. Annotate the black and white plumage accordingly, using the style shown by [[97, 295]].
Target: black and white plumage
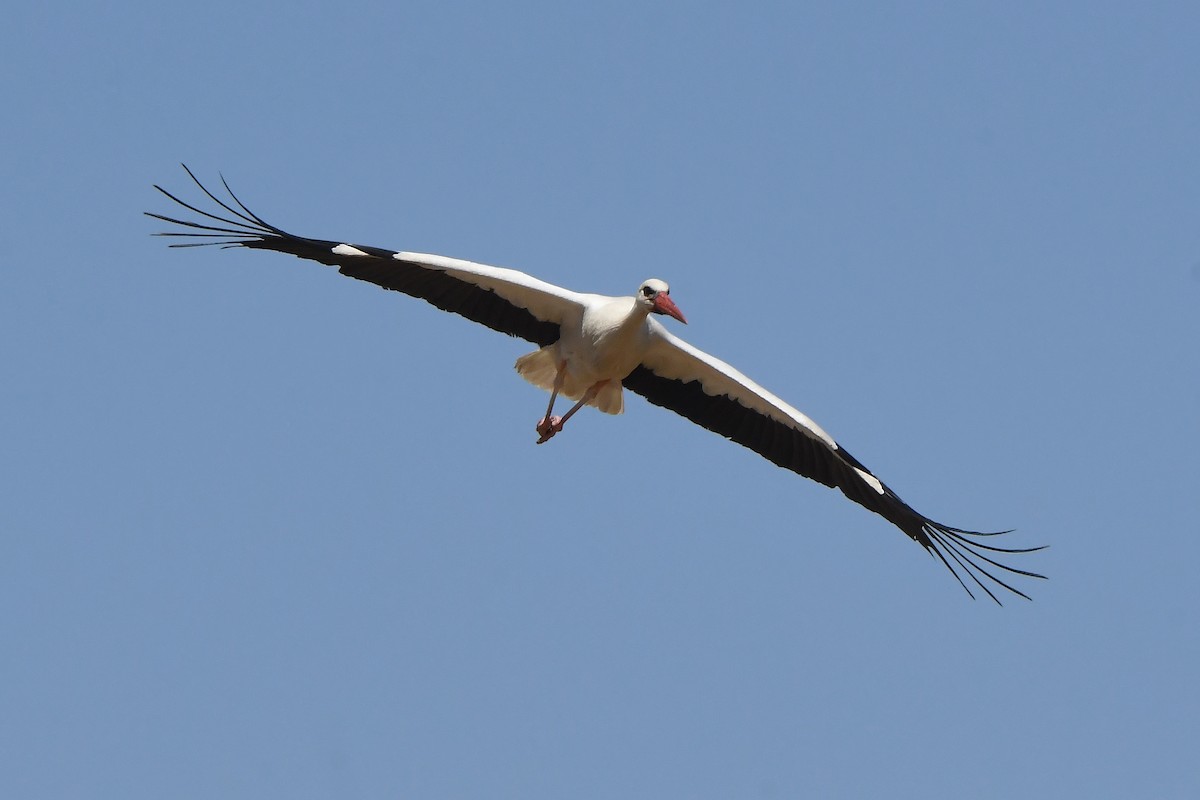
[[592, 346]]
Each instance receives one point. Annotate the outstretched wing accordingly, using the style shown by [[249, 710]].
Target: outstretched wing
[[505, 300], [714, 395]]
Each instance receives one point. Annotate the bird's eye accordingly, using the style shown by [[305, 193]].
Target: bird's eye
[[646, 290]]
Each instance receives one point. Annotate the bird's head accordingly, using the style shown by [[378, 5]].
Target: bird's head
[[655, 296]]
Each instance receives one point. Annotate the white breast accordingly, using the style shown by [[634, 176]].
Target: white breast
[[609, 342]]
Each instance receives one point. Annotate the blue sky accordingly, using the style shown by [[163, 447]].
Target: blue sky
[[272, 532]]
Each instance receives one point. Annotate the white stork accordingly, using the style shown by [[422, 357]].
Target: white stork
[[592, 347]]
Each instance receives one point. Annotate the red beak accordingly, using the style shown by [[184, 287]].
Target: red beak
[[663, 304]]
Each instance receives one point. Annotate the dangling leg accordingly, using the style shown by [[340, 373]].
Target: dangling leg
[[555, 424], [546, 425]]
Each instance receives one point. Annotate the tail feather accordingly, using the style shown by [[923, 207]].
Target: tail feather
[[541, 369]]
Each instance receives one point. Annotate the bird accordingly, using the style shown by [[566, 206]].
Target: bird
[[591, 348]]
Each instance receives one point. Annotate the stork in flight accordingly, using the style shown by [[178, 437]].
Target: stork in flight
[[591, 347]]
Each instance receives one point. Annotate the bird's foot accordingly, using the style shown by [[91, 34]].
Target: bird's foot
[[547, 427]]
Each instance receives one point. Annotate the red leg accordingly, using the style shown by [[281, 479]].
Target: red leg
[[555, 424], [546, 425]]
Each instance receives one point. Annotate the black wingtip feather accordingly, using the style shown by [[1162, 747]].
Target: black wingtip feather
[[953, 546], [958, 545]]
